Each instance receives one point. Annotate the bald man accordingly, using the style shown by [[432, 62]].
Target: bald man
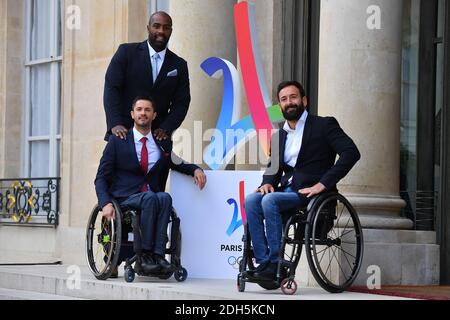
[[147, 68]]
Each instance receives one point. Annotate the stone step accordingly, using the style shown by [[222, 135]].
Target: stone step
[[11, 294], [399, 236], [56, 281]]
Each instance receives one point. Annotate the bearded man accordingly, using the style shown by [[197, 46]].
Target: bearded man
[[303, 165]]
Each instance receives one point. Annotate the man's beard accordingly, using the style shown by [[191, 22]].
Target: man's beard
[[158, 44], [291, 115], [146, 124]]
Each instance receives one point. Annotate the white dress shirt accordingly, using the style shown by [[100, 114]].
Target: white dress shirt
[[162, 56], [294, 140], [154, 153]]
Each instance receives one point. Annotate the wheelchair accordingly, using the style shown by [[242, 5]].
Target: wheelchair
[[108, 244], [331, 232]]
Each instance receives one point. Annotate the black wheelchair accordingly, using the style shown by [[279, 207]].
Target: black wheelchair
[[108, 244], [331, 232]]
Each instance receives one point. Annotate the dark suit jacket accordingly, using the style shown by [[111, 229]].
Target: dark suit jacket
[[130, 75], [119, 174], [323, 139]]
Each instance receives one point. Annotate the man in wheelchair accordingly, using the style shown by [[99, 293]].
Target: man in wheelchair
[[134, 171], [302, 164]]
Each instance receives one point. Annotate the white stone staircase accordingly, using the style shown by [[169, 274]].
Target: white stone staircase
[[53, 282]]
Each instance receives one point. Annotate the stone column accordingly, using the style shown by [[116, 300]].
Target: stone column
[[202, 29], [359, 84]]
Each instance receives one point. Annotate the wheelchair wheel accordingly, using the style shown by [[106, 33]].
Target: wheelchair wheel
[[103, 240], [240, 283], [129, 275], [289, 287], [334, 243], [181, 275]]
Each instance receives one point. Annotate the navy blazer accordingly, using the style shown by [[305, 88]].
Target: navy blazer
[[120, 175], [130, 75], [323, 139]]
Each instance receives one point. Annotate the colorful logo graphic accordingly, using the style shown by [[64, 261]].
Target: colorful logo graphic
[[235, 223], [262, 113]]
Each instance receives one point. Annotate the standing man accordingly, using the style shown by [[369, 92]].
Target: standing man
[[147, 68], [305, 165]]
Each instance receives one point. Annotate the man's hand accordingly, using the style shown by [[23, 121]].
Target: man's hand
[[200, 178], [265, 189], [316, 189], [108, 212], [120, 131], [160, 134]]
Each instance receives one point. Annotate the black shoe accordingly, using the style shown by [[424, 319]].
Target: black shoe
[[148, 264], [258, 269], [163, 263], [268, 273]]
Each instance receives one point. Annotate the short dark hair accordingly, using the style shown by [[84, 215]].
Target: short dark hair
[[162, 13], [145, 98], [296, 84]]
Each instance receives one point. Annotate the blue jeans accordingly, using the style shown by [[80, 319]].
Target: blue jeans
[[155, 211], [266, 245]]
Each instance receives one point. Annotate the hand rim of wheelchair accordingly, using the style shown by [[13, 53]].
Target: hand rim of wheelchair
[[311, 242], [112, 254]]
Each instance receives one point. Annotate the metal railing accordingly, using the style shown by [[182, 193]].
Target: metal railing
[[29, 201], [421, 208]]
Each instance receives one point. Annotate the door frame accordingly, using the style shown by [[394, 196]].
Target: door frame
[[444, 205]]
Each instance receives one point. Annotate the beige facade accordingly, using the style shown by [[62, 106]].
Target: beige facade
[[360, 69], [348, 56], [11, 86]]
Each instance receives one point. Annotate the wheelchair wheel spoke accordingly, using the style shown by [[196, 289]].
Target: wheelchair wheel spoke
[[340, 267], [335, 235], [321, 251], [329, 263], [345, 253], [340, 214], [348, 232], [340, 248], [348, 221], [323, 254]]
